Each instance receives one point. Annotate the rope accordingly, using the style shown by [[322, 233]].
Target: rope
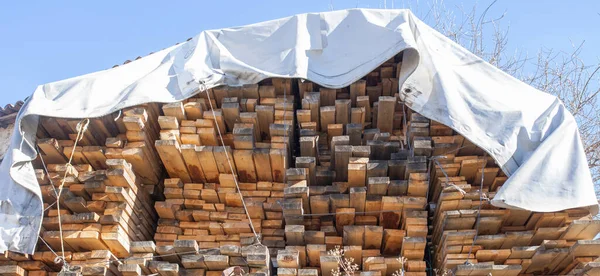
[[453, 151], [47, 173], [347, 213], [478, 215], [406, 126], [237, 186], [47, 245], [49, 206], [118, 115], [58, 259], [120, 260], [81, 128], [447, 184]]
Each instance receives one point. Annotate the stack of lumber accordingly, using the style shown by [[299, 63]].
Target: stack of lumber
[[39, 264], [273, 178], [211, 180], [95, 262], [104, 209], [184, 257], [466, 228], [106, 196], [355, 184]]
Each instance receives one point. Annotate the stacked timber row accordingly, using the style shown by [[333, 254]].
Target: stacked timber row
[[464, 227], [213, 180], [106, 195], [95, 262], [355, 184], [287, 177]]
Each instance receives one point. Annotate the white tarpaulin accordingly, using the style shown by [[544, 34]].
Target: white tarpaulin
[[528, 132]]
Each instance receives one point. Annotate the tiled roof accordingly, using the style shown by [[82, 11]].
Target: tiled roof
[[9, 113], [11, 108]]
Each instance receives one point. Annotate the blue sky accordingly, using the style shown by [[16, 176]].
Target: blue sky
[[45, 41]]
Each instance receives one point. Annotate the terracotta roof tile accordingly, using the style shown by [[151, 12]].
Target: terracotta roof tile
[[8, 113]]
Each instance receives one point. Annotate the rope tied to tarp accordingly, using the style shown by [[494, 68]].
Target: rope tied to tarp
[[81, 127], [203, 88]]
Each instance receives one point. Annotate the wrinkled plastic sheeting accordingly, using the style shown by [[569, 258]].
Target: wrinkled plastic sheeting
[[529, 133]]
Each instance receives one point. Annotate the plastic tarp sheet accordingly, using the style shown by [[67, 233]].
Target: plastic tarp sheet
[[528, 132]]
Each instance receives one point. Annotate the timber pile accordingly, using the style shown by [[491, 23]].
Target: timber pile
[[513, 242], [95, 262], [355, 184], [203, 209], [184, 257], [341, 191], [180, 188], [106, 200]]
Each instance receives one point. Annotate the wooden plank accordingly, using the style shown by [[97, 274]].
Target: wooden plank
[[343, 217], [262, 163], [175, 110], [194, 167], [208, 163], [53, 152], [309, 146], [358, 196], [385, 113], [327, 96], [342, 157], [143, 162], [78, 157], [252, 118], [342, 114], [95, 155], [328, 263], [266, 116], [327, 116], [245, 165], [357, 175], [363, 101], [217, 117], [314, 253], [392, 241], [279, 164], [231, 114], [392, 218], [193, 110], [294, 234], [373, 237], [354, 131], [310, 164], [170, 153], [357, 89], [223, 156]]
